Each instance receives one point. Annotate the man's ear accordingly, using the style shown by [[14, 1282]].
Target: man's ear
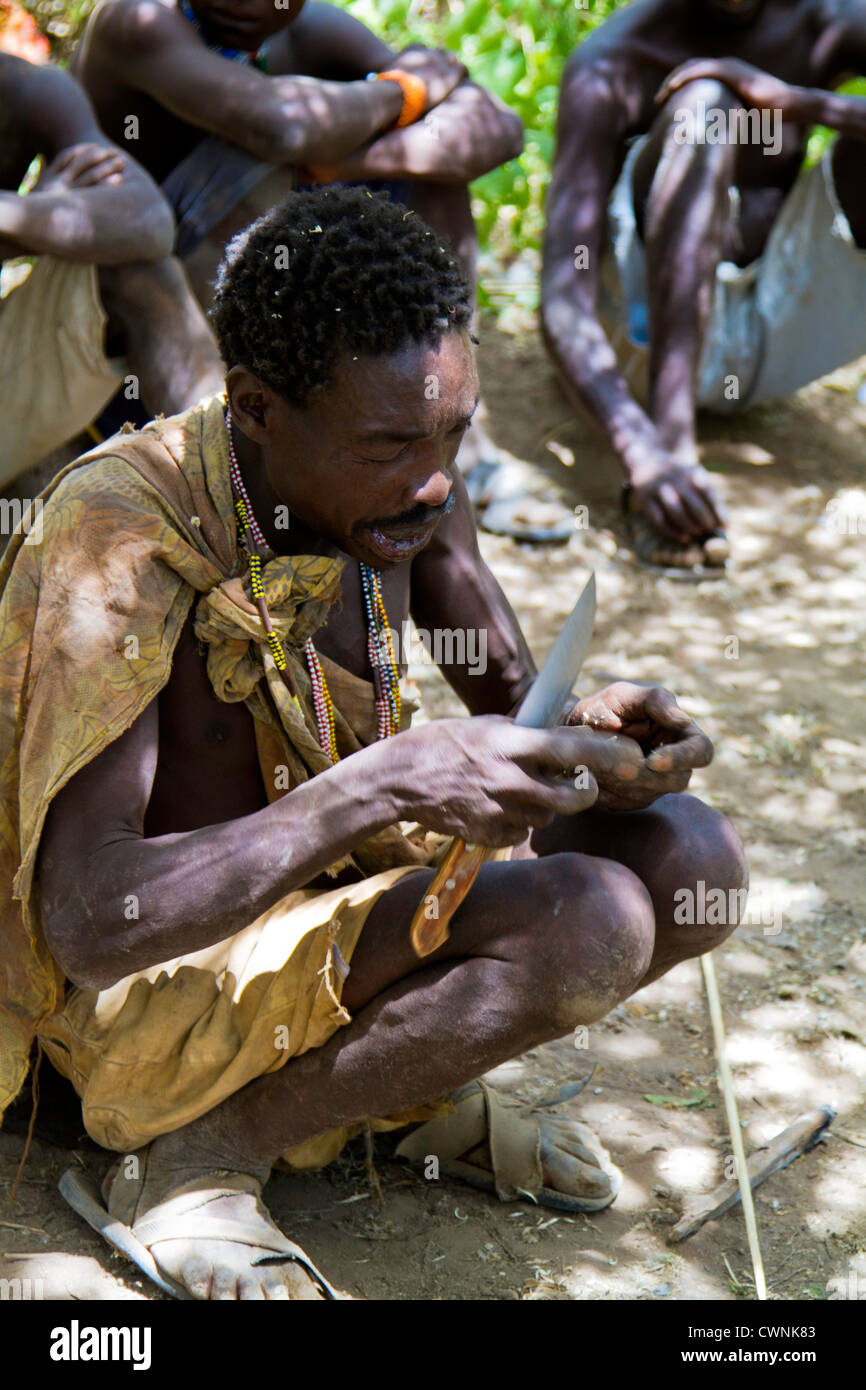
[[253, 404]]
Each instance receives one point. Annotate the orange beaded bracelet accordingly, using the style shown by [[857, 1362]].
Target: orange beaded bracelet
[[414, 91]]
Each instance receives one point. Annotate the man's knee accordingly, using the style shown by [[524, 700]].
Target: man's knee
[[703, 121], [593, 942], [702, 873], [697, 102]]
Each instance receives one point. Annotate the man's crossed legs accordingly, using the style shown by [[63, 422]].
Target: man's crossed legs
[[579, 920]]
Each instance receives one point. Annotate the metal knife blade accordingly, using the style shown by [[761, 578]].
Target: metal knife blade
[[545, 698]]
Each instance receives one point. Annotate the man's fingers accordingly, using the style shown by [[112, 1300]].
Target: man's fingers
[[675, 513], [655, 506], [688, 72], [605, 754], [698, 506], [656, 514], [92, 164], [599, 715], [661, 705], [694, 750]]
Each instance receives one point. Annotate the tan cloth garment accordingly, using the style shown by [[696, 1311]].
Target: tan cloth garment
[[166, 1045], [54, 375], [134, 534]]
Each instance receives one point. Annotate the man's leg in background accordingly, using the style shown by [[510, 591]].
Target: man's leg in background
[[155, 322]]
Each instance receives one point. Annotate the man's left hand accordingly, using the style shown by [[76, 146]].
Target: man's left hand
[[754, 87], [82, 166], [672, 744], [439, 68]]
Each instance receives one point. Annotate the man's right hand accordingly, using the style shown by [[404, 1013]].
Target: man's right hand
[[440, 70], [490, 781], [677, 497], [82, 166]]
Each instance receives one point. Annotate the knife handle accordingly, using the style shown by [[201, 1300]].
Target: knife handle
[[454, 877]]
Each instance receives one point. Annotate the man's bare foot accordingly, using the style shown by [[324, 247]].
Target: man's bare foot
[[186, 1209]]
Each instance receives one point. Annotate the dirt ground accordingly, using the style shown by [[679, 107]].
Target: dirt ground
[[770, 660]]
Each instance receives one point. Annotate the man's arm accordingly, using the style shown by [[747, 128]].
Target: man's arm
[[600, 103], [111, 221], [800, 105], [594, 116], [465, 136], [482, 779], [285, 120], [195, 888], [453, 589]]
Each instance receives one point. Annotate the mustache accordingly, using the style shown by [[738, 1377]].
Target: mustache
[[417, 516]]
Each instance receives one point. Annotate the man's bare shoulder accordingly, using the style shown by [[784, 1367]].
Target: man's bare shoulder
[[619, 42], [126, 27], [24, 86], [610, 80], [46, 106]]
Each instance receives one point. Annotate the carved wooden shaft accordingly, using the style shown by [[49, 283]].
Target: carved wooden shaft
[[454, 877]]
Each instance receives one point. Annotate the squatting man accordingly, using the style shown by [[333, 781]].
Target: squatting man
[[196, 911]]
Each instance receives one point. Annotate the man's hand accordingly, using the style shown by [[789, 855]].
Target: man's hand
[[671, 743], [82, 166], [440, 70], [491, 782], [754, 87], [677, 497]]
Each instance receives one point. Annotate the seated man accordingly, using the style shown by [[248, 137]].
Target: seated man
[[102, 282], [218, 820], [681, 218], [231, 104]]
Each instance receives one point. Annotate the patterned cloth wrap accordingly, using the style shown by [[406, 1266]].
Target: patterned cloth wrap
[[133, 535]]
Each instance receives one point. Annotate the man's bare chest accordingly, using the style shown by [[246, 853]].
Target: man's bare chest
[[208, 766]]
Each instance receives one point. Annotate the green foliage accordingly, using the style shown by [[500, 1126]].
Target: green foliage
[[61, 20], [820, 137]]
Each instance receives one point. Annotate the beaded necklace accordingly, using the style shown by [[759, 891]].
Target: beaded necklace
[[386, 674]]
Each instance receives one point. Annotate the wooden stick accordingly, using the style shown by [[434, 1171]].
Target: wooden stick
[[801, 1136], [727, 1087]]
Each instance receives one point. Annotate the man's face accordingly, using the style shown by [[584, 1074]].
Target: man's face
[[733, 12], [243, 24], [367, 464]]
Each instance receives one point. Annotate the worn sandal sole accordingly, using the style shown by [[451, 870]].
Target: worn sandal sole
[[82, 1195]]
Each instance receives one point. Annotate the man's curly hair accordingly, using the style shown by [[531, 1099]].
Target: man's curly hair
[[327, 272]]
